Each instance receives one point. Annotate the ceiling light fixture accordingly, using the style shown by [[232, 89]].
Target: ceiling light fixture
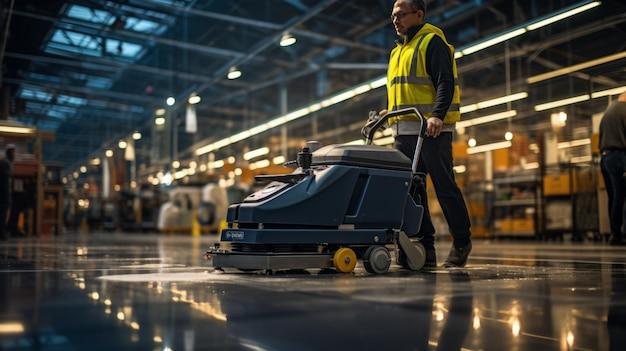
[[234, 73], [194, 99], [256, 153], [576, 68], [16, 130], [564, 102], [170, 101], [486, 119], [287, 39], [278, 160], [489, 147], [494, 102], [573, 143], [563, 14], [136, 136]]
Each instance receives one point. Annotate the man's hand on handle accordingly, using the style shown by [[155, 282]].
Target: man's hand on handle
[[433, 127]]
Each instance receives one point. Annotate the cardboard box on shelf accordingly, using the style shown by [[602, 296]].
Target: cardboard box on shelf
[[523, 225], [503, 225], [557, 184]]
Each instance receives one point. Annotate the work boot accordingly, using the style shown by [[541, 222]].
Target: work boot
[[458, 256]]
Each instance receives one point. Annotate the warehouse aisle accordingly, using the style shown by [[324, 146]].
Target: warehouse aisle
[[114, 291]]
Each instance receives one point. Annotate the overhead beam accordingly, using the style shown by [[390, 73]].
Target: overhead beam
[[109, 66], [146, 38], [109, 105], [88, 91], [264, 25], [262, 45]]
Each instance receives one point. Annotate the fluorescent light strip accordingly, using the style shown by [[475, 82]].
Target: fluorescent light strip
[[575, 9], [11, 328], [16, 130], [381, 81], [512, 33], [489, 147], [580, 159], [573, 143], [494, 102], [559, 103], [486, 119], [279, 160], [531, 165], [260, 164], [581, 98], [575, 68], [493, 41], [256, 153], [609, 92], [280, 120]]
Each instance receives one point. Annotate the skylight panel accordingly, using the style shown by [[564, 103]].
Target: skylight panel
[[71, 100], [90, 15], [123, 49], [64, 41], [144, 26], [34, 93], [43, 77], [99, 83]]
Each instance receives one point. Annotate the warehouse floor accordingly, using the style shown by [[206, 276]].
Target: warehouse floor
[[115, 291]]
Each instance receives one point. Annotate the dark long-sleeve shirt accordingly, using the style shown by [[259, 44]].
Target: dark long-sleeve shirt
[[439, 68], [613, 127]]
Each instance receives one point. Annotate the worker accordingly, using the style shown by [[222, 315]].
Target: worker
[[613, 164], [422, 73], [5, 188]]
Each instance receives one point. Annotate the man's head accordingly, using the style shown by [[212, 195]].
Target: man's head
[[10, 152], [406, 14]]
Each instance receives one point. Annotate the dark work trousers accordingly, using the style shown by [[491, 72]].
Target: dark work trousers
[[613, 166], [436, 161], [4, 210]]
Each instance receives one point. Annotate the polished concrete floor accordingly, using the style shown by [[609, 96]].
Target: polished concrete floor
[[144, 292]]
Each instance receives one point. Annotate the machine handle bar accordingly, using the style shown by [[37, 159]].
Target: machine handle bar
[[370, 130]]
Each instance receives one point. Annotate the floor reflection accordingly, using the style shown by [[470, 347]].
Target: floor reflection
[[154, 293]]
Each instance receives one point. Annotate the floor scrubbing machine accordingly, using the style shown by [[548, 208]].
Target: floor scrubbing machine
[[342, 203]]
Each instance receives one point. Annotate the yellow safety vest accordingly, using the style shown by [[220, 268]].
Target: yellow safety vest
[[408, 83]]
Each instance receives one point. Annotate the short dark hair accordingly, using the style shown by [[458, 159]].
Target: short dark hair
[[416, 4]]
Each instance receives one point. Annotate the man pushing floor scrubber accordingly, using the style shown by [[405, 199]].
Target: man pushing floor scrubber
[[349, 202], [422, 73]]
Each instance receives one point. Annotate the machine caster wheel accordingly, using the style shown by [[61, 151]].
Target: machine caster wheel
[[344, 260], [411, 255], [421, 258], [377, 260]]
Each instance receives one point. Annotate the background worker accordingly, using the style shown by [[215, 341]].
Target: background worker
[[5, 188], [613, 164], [422, 73]]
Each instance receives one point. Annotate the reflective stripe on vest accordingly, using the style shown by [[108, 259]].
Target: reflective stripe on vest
[[415, 88]]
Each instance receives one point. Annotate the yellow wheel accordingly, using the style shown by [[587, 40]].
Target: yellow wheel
[[344, 260]]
